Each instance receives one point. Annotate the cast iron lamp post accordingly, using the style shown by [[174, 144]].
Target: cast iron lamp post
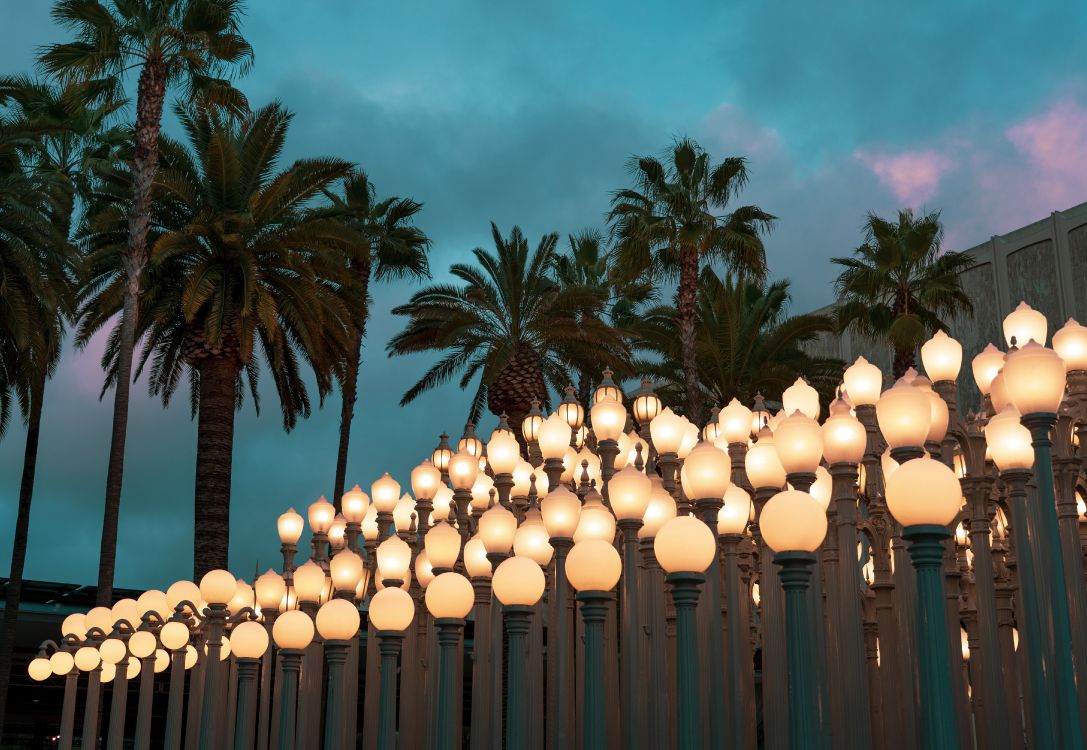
[[731, 521], [338, 623], [391, 612], [293, 632], [593, 567], [518, 583], [561, 510], [249, 642], [449, 599]]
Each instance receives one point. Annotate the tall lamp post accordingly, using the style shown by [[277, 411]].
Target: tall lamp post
[[338, 623], [391, 612], [561, 510], [731, 521], [248, 642], [293, 632], [518, 583], [593, 567], [449, 599]]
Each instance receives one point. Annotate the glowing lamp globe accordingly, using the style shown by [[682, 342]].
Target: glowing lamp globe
[[391, 610], [75, 625], [1008, 441], [425, 479], [735, 511], [532, 540], [685, 545], [554, 437], [708, 470], [87, 659], [385, 493], [998, 392], [561, 509], [345, 569], [481, 491], [370, 529], [393, 558], [61, 663], [402, 513], [142, 644], [249, 640], [596, 522], [243, 597], [939, 417], [162, 661], [289, 525], [424, 571], [863, 382], [624, 444], [519, 580], [735, 420], [942, 357], [799, 443], [801, 397], [503, 452], [463, 468], [442, 544], [174, 635], [690, 438], [1025, 324], [764, 468], [475, 558], [293, 629], [109, 671], [647, 404], [113, 650], [666, 431], [102, 618], [441, 455], [609, 417], [793, 521], [593, 565], [218, 586], [629, 491], [821, 487], [39, 669], [443, 500], [844, 437], [450, 595], [496, 528], [1035, 378], [661, 509], [985, 367], [522, 479], [923, 491], [338, 620], [1070, 343], [321, 514], [904, 414], [153, 600], [355, 503], [129, 611], [607, 390], [270, 589], [309, 581]]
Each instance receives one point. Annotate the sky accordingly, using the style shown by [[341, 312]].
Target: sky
[[526, 114]]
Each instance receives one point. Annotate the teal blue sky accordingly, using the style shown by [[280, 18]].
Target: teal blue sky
[[525, 114]]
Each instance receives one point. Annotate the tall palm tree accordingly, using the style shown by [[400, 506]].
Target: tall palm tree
[[36, 276], [617, 302], [238, 271], [669, 225], [899, 287], [191, 43], [509, 323], [390, 246], [745, 343]]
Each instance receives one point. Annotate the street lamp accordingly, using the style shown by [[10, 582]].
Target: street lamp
[[561, 511], [449, 599], [518, 583], [1025, 324], [942, 357], [593, 567], [801, 397], [338, 623], [732, 519], [391, 612], [249, 641], [799, 443], [863, 382], [904, 415], [685, 547], [293, 632], [924, 496], [442, 544]]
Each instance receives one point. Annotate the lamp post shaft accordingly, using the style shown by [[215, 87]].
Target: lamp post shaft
[[685, 590], [143, 705], [67, 713], [938, 725], [631, 665], [559, 689], [772, 621], [245, 720], [266, 664], [90, 708], [795, 572], [737, 631], [290, 660], [389, 642], [711, 625], [449, 636], [518, 620], [481, 665], [175, 701], [594, 608], [116, 736], [335, 711], [212, 698]]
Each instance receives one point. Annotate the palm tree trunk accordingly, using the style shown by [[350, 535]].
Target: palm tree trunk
[[349, 385], [685, 305], [214, 455], [14, 593], [905, 358], [150, 98]]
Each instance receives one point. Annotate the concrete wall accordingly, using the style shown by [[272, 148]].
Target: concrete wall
[[1044, 263]]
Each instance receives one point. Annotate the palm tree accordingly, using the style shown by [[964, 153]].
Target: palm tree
[[745, 343], [390, 247], [239, 270], [617, 301], [899, 287], [510, 323], [666, 226], [191, 43]]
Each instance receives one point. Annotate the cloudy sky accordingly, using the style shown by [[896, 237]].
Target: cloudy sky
[[525, 113]]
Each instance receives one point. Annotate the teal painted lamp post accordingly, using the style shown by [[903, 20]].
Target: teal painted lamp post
[[217, 587], [593, 568], [248, 643], [685, 547], [293, 632], [338, 622], [449, 599], [793, 524], [174, 636], [1035, 380], [731, 521], [924, 496], [561, 510], [391, 612], [518, 583]]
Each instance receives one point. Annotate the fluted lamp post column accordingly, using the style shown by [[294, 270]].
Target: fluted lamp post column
[[924, 496], [293, 632], [561, 510], [391, 612], [338, 622], [248, 642], [731, 521], [685, 547], [593, 568], [449, 599], [518, 583]]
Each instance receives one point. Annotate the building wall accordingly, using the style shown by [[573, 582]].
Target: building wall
[[1044, 264]]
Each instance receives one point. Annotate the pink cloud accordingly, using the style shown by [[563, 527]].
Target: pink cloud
[[913, 176], [1054, 147]]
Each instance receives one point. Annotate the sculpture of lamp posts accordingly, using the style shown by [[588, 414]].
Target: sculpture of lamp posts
[[924, 496], [794, 524], [731, 521], [338, 622], [518, 583], [1035, 378], [293, 632], [449, 599], [593, 568], [685, 548], [561, 510], [391, 612], [248, 642], [707, 470]]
